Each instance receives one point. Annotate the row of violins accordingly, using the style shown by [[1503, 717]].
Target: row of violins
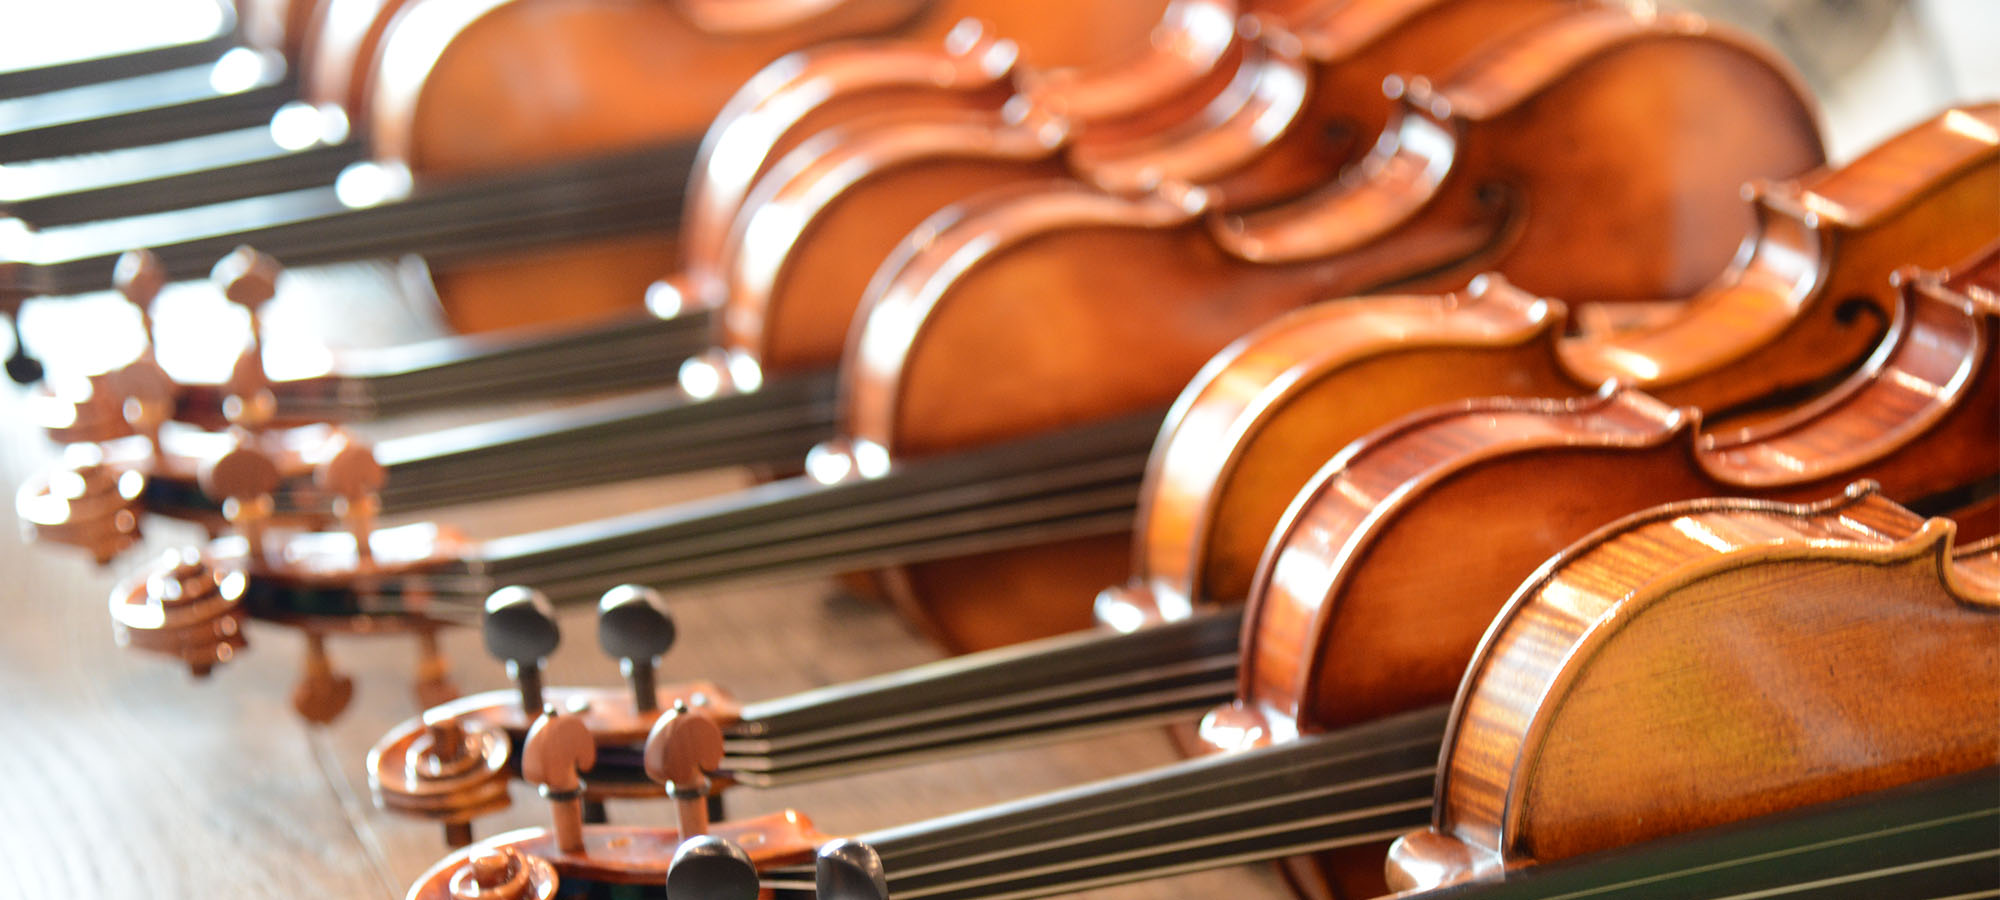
[[990, 422]]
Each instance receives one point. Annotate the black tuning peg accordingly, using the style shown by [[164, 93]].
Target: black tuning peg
[[849, 870], [21, 366], [521, 631], [634, 627], [712, 868]]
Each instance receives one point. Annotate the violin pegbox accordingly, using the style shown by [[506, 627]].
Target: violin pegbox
[[187, 607]]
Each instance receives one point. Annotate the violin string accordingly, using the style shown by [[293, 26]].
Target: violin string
[[624, 353], [464, 217], [884, 521], [1073, 718], [926, 712], [1934, 854], [1387, 767], [661, 432]]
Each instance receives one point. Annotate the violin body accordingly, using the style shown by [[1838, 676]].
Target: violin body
[[1189, 58], [806, 246], [578, 78], [1252, 427], [1585, 723], [1013, 314]]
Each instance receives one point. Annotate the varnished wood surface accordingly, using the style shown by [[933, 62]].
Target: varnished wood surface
[[125, 778]]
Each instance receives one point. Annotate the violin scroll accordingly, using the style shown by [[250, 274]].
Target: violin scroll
[[91, 505], [184, 608], [503, 873], [452, 769]]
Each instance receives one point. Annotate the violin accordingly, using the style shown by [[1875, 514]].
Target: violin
[[1542, 767], [1169, 669], [1804, 304], [814, 231], [1866, 558], [1347, 551], [485, 201], [905, 500], [871, 185], [970, 333]]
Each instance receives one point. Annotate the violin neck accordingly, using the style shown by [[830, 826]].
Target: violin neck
[[1065, 685], [1933, 839], [468, 217], [1073, 483], [657, 432], [1362, 785], [622, 353]]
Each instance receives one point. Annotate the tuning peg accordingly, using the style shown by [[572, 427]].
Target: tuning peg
[[245, 477], [433, 684], [503, 873], [634, 627], [849, 870], [322, 693], [684, 747], [352, 475], [138, 276], [712, 868], [520, 630], [147, 398], [558, 750], [22, 366], [248, 279]]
